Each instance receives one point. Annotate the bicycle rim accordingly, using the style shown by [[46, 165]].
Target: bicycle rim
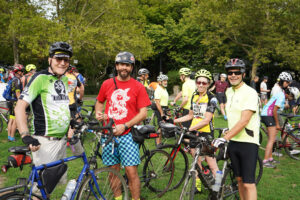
[[292, 144], [156, 173], [188, 190], [110, 182], [18, 196], [1, 125], [229, 189], [180, 165]]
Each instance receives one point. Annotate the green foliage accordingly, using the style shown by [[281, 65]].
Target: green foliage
[[173, 80]]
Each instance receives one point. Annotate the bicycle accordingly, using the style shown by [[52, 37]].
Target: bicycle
[[289, 136], [4, 113], [101, 183], [155, 176]]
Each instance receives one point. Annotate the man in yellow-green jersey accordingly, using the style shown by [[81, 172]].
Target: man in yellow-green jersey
[[188, 88]]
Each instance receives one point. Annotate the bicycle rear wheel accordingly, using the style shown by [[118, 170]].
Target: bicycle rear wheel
[[229, 189], [181, 163], [158, 171], [259, 170], [18, 196], [291, 143], [110, 183], [188, 190]]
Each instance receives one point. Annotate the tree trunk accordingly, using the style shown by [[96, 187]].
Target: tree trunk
[[57, 8], [255, 65], [15, 49]]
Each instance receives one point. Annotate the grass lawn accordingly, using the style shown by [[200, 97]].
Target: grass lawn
[[280, 183]]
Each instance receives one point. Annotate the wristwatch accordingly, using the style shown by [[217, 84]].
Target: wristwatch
[[126, 127]]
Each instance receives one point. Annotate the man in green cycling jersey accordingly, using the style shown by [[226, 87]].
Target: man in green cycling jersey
[[188, 88], [47, 95], [242, 110]]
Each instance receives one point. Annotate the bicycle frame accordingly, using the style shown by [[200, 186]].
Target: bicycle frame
[[84, 172]]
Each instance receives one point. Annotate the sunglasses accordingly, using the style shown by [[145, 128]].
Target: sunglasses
[[59, 59], [236, 73], [201, 83]]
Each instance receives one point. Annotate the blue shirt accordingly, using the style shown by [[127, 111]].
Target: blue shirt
[[2, 78], [81, 78], [276, 100]]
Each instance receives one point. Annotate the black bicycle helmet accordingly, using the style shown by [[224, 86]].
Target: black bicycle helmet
[[235, 63], [60, 48], [125, 57]]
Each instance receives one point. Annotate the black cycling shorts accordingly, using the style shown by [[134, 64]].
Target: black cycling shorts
[[186, 124], [243, 158], [268, 121], [11, 106], [157, 113], [221, 97]]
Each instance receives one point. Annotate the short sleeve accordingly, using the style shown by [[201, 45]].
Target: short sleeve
[[102, 94], [157, 94], [142, 98], [212, 104], [32, 90], [250, 100]]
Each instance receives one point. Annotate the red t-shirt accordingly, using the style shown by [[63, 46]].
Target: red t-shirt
[[221, 86], [124, 103]]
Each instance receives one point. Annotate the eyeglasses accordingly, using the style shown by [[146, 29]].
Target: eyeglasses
[[59, 59], [236, 73], [201, 83]]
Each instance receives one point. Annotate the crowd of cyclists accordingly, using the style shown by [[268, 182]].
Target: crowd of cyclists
[[52, 96]]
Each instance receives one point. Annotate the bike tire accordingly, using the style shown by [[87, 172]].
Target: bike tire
[[158, 172], [259, 170], [181, 164], [229, 186], [291, 143], [103, 179], [18, 196], [188, 189], [1, 125]]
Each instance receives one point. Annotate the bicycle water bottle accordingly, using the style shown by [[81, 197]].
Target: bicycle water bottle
[[217, 185], [69, 190]]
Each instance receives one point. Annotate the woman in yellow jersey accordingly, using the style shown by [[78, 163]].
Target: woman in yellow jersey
[[203, 104]]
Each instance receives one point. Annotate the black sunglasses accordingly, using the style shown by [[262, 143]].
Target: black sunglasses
[[236, 73]]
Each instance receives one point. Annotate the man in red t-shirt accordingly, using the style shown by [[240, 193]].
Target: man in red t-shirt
[[221, 86], [126, 102]]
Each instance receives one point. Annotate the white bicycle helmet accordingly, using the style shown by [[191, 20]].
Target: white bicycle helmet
[[143, 71], [162, 77], [223, 75], [295, 91], [285, 76]]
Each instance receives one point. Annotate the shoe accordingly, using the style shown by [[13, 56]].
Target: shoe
[[197, 191], [293, 152], [274, 161], [269, 165], [275, 153], [225, 117], [198, 186]]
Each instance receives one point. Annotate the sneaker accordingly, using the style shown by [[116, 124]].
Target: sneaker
[[225, 117], [274, 161], [275, 153], [198, 186], [269, 165], [293, 152]]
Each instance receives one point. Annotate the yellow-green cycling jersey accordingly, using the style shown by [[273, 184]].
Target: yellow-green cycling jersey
[[162, 94], [188, 89]]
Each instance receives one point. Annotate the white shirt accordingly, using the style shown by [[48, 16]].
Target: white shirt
[[276, 89], [263, 86]]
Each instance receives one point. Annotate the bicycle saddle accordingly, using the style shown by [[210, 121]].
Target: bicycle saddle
[[19, 150]]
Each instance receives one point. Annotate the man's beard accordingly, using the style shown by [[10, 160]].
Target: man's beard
[[124, 75]]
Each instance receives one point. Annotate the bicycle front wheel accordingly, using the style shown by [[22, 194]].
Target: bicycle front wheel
[[259, 170], [229, 189], [18, 196], [291, 143], [110, 182], [188, 190], [158, 171], [181, 163]]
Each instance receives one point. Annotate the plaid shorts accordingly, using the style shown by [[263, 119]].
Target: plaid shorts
[[125, 152]]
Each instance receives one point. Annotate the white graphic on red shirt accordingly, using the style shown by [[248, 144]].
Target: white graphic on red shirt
[[117, 108]]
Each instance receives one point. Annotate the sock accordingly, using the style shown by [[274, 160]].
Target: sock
[[198, 184], [119, 197], [270, 159]]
